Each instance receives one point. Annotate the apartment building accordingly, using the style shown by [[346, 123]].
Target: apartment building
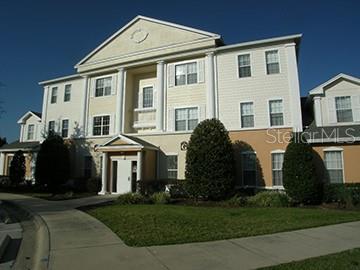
[[133, 102]]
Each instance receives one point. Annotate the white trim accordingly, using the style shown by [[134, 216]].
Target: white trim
[[92, 125], [277, 151], [333, 148], [153, 99], [336, 149], [22, 119], [279, 60], [185, 62], [152, 109], [269, 116], [250, 53], [319, 90], [58, 80]]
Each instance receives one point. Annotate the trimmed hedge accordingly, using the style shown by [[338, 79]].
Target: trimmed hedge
[[132, 198], [346, 194], [160, 198], [269, 199]]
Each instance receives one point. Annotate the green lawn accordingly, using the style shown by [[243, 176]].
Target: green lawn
[[147, 225], [349, 260]]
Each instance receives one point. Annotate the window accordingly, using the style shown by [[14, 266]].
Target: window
[[334, 166], [65, 128], [272, 62], [172, 166], [30, 132], [51, 126], [277, 160], [54, 95], [244, 65], [186, 119], [88, 162], [276, 112], [343, 109], [103, 87], [101, 125], [247, 114], [148, 97], [186, 74], [249, 168], [67, 93]]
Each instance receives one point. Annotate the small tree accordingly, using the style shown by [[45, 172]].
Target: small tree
[[300, 181], [209, 161], [17, 168], [53, 163], [2, 141]]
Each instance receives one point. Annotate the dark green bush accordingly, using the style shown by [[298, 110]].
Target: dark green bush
[[209, 162], [269, 199], [160, 198], [178, 189], [300, 180], [345, 194], [17, 168], [132, 198], [235, 201], [94, 184], [149, 187]]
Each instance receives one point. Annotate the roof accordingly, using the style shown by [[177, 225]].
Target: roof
[[122, 142], [334, 134], [319, 90], [137, 18], [64, 78], [27, 115], [38, 114], [16, 145]]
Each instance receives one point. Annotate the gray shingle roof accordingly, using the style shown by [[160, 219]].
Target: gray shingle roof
[[20, 145]]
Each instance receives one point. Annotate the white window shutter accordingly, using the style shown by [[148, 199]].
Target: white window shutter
[[114, 85], [171, 119], [202, 113], [331, 110], [140, 98], [355, 106], [112, 124], [92, 83], [171, 75], [201, 70]]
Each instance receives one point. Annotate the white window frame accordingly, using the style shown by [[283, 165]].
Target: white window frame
[[186, 107], [177, 165], [196, 61], [269, 50], [336, 149], [92, 126], [279, 151], [238, 66], [68, 129], [52, 96], [242, 168], [351, 108], [269, 115], [253, 104], [69, 84], [103, 78], [153, 97], [28, 132]]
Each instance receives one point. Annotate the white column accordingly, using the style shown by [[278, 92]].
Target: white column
[[294, 88], [317, 111], [139, 166], [44, 112], [2, 161], [119, 101], [160, 96], [210, 86], [104, 173], [82, 124]]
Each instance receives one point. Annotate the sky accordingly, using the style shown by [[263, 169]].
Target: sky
[[41, 40]]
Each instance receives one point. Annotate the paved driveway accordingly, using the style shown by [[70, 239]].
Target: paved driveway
[[76, 240]]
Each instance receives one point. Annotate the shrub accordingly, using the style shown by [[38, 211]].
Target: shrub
[[345, 194], [178, 190], [132, 198], [209, 161], [151, 186], [94, 184], [53, 163], [269, 199], [235, 201], [160, 198], [300, 181], [17, 168]]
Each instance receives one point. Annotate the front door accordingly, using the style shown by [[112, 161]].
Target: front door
[[123, 176]]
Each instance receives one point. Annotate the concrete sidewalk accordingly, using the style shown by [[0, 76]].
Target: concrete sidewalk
[[78, 241]]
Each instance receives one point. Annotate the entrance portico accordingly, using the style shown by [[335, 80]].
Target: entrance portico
[[125, 161]]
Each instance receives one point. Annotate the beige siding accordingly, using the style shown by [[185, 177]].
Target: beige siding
[[32, 120]]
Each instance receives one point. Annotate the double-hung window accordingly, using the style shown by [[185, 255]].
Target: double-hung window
[[103, 87], [54, 92], [30, 132], [148, 97], [249, 168], [277, 160], [67, 93], [172, 166], [244, 65], [343, 109], [101, 125], [272, 62], [334, 166], [186, 119], [51, 127], [186, 73], [65, 128], [247, 114], [276, 112]]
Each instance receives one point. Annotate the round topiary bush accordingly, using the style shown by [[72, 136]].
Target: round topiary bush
[[300, 181], [209, 162]]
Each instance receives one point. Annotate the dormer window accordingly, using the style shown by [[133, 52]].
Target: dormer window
[[343, 109], [30, 132]]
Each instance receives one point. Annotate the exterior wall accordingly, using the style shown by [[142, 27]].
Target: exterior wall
[[351, 153], [340, 88], [149, 165], [259, 88], [32, 120], [65, 110]]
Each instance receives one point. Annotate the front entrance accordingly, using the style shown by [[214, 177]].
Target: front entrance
[[121, 176]]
